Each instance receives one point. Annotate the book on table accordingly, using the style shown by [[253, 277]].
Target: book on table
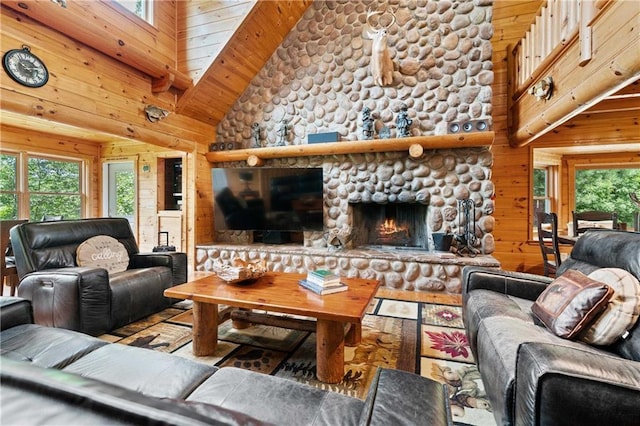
[[334, 288], [322, 277]]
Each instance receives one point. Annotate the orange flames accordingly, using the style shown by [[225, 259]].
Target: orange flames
[[389, 227]]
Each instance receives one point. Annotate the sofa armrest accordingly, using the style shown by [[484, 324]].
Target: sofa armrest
[[14, 311], [559, 385], [397, 397], [176, 261], [517, 284], [77, 298]]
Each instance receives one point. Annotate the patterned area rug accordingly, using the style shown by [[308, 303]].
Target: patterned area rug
[[422, 338]]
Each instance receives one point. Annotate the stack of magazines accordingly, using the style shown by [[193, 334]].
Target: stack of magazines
[[323, 282]]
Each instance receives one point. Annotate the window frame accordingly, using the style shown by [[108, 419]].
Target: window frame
[[22, 181], [551, 164], [148, 11]]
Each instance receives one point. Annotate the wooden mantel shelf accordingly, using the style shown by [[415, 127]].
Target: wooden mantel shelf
[[415, 144]]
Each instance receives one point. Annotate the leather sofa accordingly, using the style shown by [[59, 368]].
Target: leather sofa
[[89, 299], [532, 376], [57, 376]]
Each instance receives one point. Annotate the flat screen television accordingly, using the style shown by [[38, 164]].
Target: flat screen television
[[268, 199]]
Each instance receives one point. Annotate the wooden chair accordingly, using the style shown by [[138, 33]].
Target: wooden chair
[[548, 240], [592, 216], [8, 271]]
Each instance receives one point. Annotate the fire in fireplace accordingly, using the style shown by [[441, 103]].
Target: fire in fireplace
[[396, 225]]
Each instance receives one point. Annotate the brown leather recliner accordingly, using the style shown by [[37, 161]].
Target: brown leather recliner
[[89, 299]]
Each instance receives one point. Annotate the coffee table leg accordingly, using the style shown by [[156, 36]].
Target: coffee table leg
[[240, 324], [354, 335], [329, 351], [205, 328]]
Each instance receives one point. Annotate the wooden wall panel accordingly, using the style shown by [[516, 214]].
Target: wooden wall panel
[[511, 171], [149, 177], [90, 90]]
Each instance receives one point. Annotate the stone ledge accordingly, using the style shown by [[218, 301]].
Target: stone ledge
[[409, 270]]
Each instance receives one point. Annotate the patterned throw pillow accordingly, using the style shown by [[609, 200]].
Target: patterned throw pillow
[[103, 251], [570, 303], [621, 312]]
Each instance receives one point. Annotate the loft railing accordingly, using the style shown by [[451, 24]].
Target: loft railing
[[557, 24]]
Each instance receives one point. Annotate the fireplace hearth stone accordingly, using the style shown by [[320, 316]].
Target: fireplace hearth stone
[[399, 268]]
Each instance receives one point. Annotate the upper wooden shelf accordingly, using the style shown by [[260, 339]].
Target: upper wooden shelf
[[415, 144]]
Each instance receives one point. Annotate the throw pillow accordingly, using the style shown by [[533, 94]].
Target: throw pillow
[[622, 310], [570, 302], [103, 251]]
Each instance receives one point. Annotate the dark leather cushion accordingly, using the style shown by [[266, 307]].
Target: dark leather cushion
[[15, 311], [136, 293], [605, 248], [46, 346], [570, 303], [387, 404], [150, 372], [31, 395], [280, 401]]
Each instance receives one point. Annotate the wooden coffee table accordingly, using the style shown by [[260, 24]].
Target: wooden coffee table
[[338, 316]]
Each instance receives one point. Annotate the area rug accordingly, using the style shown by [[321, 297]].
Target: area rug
[[422, 338]]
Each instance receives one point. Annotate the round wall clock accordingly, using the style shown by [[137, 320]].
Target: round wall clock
[[25, 67]]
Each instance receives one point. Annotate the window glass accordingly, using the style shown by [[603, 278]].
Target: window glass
[[54, 188], [141, 8], [608, 190], [541, 193], [8, 186]]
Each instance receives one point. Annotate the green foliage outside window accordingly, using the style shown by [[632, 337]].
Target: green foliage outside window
[[54, 188], [608, 190], [539, 182], [8, 198], [125, 194]]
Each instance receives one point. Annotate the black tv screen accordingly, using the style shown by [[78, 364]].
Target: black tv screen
[[268, 199]]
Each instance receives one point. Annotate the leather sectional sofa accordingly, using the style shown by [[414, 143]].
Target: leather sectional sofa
[[85, 298], [57, 376], [534, 377]]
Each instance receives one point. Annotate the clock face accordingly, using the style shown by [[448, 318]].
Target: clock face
[[25, 67]]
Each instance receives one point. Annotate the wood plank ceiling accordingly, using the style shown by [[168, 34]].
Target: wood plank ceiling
[[263, 29], [255, 40]]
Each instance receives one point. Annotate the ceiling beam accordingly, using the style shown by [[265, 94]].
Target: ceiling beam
[[72, 22]]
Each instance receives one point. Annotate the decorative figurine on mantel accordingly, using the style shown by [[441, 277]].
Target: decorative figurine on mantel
[[403, 122], [367, 124], [384, 132], [282, 132], [255, 135]]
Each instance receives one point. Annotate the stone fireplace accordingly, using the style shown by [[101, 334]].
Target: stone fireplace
[[426, 190], [318, 80], [396, 225]]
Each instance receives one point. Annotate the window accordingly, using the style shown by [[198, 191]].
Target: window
[[541, 193], [49, 186], [142, 8], [119, 190], [8, 186], [54, 188], [607, 189], [544, 191]]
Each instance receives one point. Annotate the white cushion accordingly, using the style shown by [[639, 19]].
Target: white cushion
[[103, 251], [622, 310]]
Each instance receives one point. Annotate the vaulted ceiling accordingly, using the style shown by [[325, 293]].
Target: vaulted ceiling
[[259, 34]]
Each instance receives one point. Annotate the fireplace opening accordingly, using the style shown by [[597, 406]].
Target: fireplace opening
[[401, 225]]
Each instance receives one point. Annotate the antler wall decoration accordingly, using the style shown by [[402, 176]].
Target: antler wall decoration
[[381, 63]]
